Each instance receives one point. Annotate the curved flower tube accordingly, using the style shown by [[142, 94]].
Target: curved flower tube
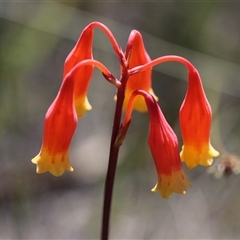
[[81, 51], [59, 126], [195, 122], [163, 144], [136, 55], [61, 121]]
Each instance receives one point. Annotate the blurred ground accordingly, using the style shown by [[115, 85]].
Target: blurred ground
[[35, 39]]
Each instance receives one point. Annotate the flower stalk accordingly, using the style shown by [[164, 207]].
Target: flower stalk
[[113, 158], [157, 61], [134, 92]]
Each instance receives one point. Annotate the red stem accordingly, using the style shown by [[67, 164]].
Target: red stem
[[113, 41], [113, 157], [108, 75], [168, 58]]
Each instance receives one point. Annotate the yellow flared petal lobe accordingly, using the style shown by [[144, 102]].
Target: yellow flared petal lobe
[[210, 154], [176, 182], [56, 165], [193, 156], [82, 105], [139, 103]]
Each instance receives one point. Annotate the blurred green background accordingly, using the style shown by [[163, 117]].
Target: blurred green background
[[35, 39]]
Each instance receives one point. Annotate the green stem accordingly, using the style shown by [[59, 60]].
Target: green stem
[[113, 157]]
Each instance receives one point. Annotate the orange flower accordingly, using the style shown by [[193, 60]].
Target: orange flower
[[164, 147], [81, 51], [142, 80], [59, 126], [195, 123]]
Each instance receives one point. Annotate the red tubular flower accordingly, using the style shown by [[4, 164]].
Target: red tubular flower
[[137, 55], [81, 51], [59, 126], [164, 147], [195, 121]]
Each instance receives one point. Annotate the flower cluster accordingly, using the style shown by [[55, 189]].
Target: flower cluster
[[134, 92]]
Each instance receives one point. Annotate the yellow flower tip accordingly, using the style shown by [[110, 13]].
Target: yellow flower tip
[[177, 182], [153, 94], [193, 156], [139, 103], [189, 158], [56, 165], [164, 194], [82, 105], [154, 189], [206, 162], [213, 151]]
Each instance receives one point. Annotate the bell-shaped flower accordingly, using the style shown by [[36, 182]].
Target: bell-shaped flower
[[137, 55], [81, 51], [195, 122], [59, 126], [163, 144]]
